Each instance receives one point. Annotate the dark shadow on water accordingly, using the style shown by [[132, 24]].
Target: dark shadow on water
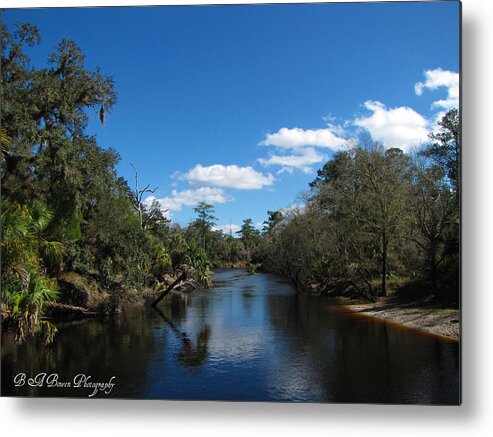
[[192, 354]]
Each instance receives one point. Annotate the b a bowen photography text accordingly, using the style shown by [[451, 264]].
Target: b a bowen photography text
[[54, 381]]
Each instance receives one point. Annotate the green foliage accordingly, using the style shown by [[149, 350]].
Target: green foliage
[[364, 191], [274, 219], [189, 256], [155, 221], [373, 215], [26, 254], [161, 262], [72, 226], [23, 308], [444, 150], [64, 207], [196, 261], [65, 211], [202, 226], [250, 236]]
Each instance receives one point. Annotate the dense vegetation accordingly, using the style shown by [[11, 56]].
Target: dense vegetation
[[72, 230], [75, 233], [376, 219]]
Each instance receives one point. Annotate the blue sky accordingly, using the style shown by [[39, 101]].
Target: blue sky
[[240, 105]]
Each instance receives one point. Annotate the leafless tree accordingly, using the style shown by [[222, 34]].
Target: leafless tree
[[138, 195]]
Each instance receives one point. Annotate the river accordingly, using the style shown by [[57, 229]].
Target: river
[[249, 338]]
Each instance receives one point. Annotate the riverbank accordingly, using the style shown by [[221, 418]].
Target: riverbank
[[444, 322]]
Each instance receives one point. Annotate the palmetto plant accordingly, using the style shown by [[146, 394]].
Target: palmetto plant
[[50, 251], [197, 264], [25, 255], [24, 306], [4, 143]]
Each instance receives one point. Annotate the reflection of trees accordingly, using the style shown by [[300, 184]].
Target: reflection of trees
[[195, 355], [120, 346], [248, 296], [192, 354], [350, 359]]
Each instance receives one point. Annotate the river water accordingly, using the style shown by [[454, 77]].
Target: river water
[[249, 338]]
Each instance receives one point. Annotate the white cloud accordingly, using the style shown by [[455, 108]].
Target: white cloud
[[179, 199], [394, 127], [401, 127], [302, 159], [227, 229], [438, 78], [296, 138], [338, 129], [228, 176]]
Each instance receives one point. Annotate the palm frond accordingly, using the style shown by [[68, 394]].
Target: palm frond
[[52, 251], [5, 140], [41, 216]]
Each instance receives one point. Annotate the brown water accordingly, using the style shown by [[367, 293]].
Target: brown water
[[249, 338]]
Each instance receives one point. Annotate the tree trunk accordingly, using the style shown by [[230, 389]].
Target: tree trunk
[[180, 278], [384, 264], [433, 268]]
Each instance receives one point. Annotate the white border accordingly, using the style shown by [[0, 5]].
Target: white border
[[61, 417]]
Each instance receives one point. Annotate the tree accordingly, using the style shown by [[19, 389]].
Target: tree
[[137, 196], [65, 212], [155, 220], [374, 217], [249, 235], [274, 218], [352, 251], [432, 209], [46, 119], [444, 149], [205, 221], [365, 192], [386, 178], [438, 209]]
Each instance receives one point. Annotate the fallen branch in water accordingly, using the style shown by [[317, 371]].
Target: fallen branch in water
[[54, 309], [180, 278], [186, 286]]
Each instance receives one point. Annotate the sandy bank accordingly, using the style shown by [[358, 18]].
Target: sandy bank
[[439, 321]]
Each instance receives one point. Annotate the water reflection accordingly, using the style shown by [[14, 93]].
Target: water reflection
[[120, 346], [352, 359], [192, 354], [248, 338]]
